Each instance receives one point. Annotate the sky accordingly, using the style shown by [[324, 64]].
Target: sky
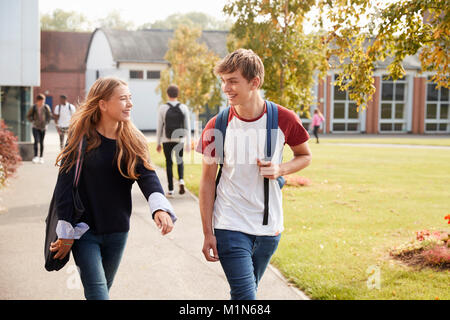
[[137, 11]]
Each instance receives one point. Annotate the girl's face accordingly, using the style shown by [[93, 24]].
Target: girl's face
[[118, 107]]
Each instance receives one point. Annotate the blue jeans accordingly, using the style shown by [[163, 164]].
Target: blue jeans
[[98, 258], [244, 258]]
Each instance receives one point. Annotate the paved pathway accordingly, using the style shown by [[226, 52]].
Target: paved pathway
[[153, 266]]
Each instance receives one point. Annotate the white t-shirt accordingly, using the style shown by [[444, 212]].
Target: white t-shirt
[[65, 112], [239, 205]]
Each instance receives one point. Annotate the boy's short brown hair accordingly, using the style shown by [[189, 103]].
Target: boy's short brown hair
[[172, 91], [244, 60], [40, 96]]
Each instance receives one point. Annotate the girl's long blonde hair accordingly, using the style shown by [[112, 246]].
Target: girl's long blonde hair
[[131, 143]]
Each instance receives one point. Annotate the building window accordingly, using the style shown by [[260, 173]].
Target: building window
[[136, 74], [393, 117], [437, 115], [153, 74], [345, 116]]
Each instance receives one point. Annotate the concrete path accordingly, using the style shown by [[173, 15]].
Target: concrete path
[[153, 266]]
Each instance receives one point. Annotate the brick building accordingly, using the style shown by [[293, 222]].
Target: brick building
[[63, 65]]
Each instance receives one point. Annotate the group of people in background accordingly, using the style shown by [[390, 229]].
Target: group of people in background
[[40, 115]]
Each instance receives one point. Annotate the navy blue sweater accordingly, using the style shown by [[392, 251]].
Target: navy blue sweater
[[105, 193]]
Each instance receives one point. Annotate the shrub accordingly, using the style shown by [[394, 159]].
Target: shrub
[[9, 153]]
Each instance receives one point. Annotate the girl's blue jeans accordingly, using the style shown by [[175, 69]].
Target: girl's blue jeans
[[97, 258]]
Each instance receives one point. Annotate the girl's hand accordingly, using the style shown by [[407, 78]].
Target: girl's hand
[[61, 247], [163, 221]]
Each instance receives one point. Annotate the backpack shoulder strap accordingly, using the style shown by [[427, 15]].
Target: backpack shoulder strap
[[221, 127], [271, 129]]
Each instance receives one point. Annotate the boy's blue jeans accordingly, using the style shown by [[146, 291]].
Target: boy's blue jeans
[[244, 258], [98, 258]]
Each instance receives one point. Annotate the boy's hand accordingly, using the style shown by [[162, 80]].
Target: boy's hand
[[158, 148], [209, 244], [268, 169]]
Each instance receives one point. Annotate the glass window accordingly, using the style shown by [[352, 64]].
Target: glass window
[[444, 94], [153, 74], [431, 127], [387, 91], [339, 110], [386, 111], [443, 127], [136, 74], [399, 109], [352, 111], [432, 93], [352, 127], [444, 111], [338, 94], [338, 126], [431, 111], [386, 127], [400, 91], [398, 127]]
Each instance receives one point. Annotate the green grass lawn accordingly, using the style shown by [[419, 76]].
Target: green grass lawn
[[362, 202]]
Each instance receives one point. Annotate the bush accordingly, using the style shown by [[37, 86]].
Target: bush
[[9, 153]]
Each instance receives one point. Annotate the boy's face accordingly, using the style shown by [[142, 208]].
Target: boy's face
[[238, 89]]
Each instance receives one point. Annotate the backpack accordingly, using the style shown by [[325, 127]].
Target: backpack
[[174, 120], [271, 128]]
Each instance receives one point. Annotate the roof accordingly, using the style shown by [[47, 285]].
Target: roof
[[151, 45], [64, 51]]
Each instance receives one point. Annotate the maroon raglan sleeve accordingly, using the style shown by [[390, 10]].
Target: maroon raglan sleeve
[[205, 145], [292, 127]]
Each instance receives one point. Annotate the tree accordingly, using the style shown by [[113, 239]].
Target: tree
[[351, 36], [364, 32], [61, 20], [274, 30], [198, 19], [191, 68], [114, 21]]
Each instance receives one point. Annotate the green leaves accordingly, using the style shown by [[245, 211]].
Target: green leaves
[[191, 67]]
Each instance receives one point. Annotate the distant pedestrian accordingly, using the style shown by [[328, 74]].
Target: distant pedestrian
[[316, 122], [62, 114], [173, 131], [116, 157], [40, 116]]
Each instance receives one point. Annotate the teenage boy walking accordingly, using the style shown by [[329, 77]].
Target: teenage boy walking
[[173, 131], [233, 224]]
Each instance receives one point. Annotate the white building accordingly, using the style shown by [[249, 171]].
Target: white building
[[138, 58], [19, 62]]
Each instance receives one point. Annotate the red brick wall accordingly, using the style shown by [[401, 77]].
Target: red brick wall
[[418, 118], [373, 109], [72, 84]]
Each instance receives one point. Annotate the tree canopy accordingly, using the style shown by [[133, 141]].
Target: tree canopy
[[191, 66], [198, 19], [349, 36]]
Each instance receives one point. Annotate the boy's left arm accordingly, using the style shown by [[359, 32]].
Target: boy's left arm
[[302, 159]]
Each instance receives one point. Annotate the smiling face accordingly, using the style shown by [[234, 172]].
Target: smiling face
[[238, 89], [118, 106]]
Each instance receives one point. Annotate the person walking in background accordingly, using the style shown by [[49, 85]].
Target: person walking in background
[[40, 116], [173, 131], [62, 114], [237, 231], [316, 122], [116, 156]]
